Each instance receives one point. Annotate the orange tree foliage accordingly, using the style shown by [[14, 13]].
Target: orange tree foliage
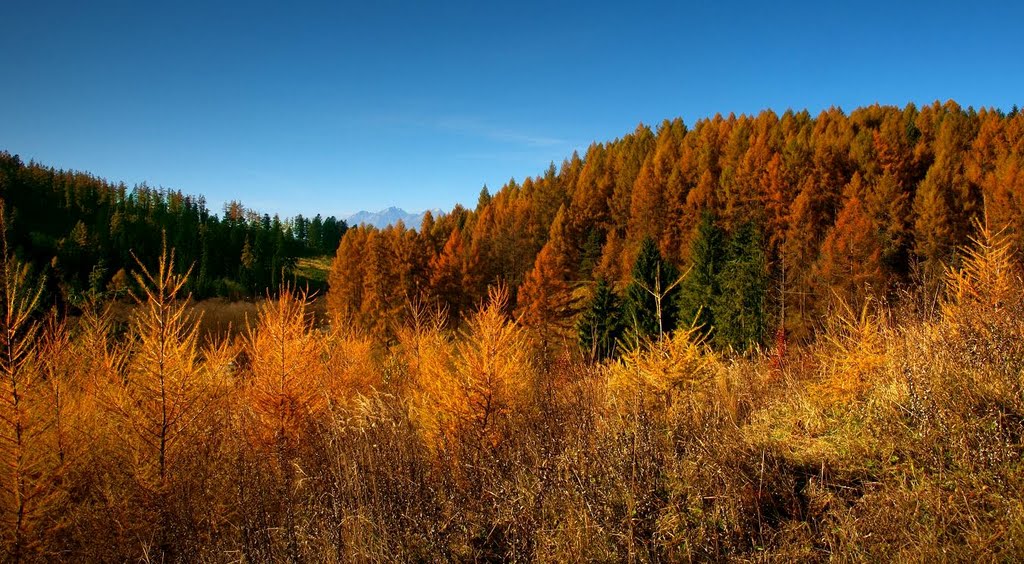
[[460, 445], [546, 296], [165, 387], [26, 471], [850, 264], [471, 387], [284, 357], [921, 175]]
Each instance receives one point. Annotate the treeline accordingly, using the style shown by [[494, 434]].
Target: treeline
[[772, 218], [81, 231]]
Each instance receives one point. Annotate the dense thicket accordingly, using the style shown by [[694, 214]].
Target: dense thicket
[[895, 436], [811, 209], [81, 231]]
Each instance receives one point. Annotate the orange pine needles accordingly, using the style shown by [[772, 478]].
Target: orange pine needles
[[284, 357], [25, 469], [165, 386], [483, 379]]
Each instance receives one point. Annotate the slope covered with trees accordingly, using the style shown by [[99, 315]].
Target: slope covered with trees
[[81, 231], [897, 435], [449, 414], [773, 219]]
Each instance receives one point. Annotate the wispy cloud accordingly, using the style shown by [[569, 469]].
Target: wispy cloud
[[479, 128], [508, 156]]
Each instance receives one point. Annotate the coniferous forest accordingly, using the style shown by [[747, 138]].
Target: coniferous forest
[[79, 232], [773, 337]]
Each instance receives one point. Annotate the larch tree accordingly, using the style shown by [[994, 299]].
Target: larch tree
[[348, 270], [383, 297], [546, 295], [850, 264], [25, 469], [801, 245], [487, 380], [647, 207], [888, 205], [159, 403], [165, 389], [285, 390], [946, 201], [283, 354], [447, 276]]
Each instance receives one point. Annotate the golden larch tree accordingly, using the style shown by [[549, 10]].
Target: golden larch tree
[[165, 388], [25, 468]]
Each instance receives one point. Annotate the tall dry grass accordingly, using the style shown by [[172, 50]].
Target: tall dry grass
[[897, 435]]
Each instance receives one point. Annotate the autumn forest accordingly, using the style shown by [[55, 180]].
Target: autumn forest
[[758, 337]]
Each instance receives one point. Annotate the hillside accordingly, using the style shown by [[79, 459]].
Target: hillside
[[777, 219], [625, 359], [897, 436]]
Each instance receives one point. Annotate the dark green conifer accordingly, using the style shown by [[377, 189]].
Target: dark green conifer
[[650, 307], [600, 325], [700, 287]]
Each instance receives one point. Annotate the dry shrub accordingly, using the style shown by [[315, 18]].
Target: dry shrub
[[665, 371], [896, 436], [852, 350], [350, 364], [375, 486], [420, 343], [100, 358]]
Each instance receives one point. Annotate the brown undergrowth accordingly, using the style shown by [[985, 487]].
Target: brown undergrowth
[[897, 435]]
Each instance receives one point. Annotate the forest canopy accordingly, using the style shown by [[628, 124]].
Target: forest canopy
[[773, 219]]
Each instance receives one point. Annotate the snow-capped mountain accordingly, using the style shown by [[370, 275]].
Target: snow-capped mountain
[[390, 216]]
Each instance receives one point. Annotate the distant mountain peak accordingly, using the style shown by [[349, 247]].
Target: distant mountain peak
[[389, 216]]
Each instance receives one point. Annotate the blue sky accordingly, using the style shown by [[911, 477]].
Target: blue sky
[[302, 108]]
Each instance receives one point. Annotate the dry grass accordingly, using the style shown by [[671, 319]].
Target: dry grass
[[895, 436]]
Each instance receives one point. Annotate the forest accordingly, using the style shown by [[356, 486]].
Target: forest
[[758, 337], [774, 219], [80, 232]]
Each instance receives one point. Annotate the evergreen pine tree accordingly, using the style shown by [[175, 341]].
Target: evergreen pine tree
[[600, 326], [700, 288], [738, 309], [650, 304]]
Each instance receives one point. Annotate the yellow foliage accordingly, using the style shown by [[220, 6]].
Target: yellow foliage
[[63, 398], [988, 278], [349, 363], [853, 348], [660, 372], [26, 470], [483, 378], [101, 360], [284, 360], [166, 387], [421, 341]]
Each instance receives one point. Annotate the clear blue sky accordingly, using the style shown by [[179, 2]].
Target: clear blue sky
[[301, 108]]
